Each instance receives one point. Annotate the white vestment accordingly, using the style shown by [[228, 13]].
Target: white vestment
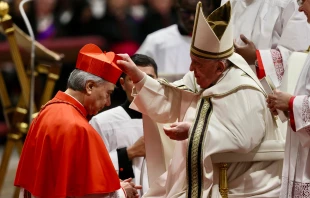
[[236, 119], [271, 24], [296, 169], [169, 49], [119, 130]]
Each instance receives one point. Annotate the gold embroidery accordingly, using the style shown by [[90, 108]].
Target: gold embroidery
[[163, 81], [244, 86], [195, 149], [181, 87]]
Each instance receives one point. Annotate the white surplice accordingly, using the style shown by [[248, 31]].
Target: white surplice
[[238, 121], [296, 169], [271, 24], [169, 49], [119, 130]]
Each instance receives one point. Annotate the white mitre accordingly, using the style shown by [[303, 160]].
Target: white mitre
[[213, 36]]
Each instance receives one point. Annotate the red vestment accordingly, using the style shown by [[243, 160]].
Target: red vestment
[[63, 155]]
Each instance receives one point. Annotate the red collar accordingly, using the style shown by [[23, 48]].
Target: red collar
[[67, 98]]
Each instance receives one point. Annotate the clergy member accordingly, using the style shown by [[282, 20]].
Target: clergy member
[[63, 156], [265, 34], [170, 46], [296, 168], [225, 110], [122, 130]]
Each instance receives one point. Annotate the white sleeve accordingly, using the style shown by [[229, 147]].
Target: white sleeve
[[161, 102], [290, 41]]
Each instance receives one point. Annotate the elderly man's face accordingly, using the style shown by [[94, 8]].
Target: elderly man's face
[[98, 96], [206, 72], [305, 7]]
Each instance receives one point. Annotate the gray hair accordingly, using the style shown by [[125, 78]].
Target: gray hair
[[226, 62], [78, 78]]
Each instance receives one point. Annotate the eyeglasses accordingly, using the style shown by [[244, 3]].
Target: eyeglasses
[[300, 2]]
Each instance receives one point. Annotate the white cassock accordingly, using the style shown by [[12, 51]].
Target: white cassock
[[119, 130], [230, 116], [296, 169], [169, 49], [277, 29]]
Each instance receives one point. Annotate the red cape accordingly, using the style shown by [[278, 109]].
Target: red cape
[[63, 155]]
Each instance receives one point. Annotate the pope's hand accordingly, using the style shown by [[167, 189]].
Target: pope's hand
[[278, 100], [130, 68], [130, 188], [248, 52], [178, 130]]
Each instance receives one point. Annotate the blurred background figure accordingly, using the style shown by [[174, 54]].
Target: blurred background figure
[[41, 16], [170, 46], [119, 28], [137, 10], [77, 17], [160, 14]]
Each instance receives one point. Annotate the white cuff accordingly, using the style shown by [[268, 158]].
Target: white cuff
[[138, 86]]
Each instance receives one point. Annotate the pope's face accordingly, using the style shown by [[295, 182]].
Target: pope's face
[[206, 72], [305, 7], [127, 83], [98, 97]]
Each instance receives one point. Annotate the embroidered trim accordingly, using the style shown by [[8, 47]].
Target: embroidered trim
[[293, 189], [195, 150], [163, 81], [305, 111], [278, 63], [305, 114], [181, 87], [185, 88]]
